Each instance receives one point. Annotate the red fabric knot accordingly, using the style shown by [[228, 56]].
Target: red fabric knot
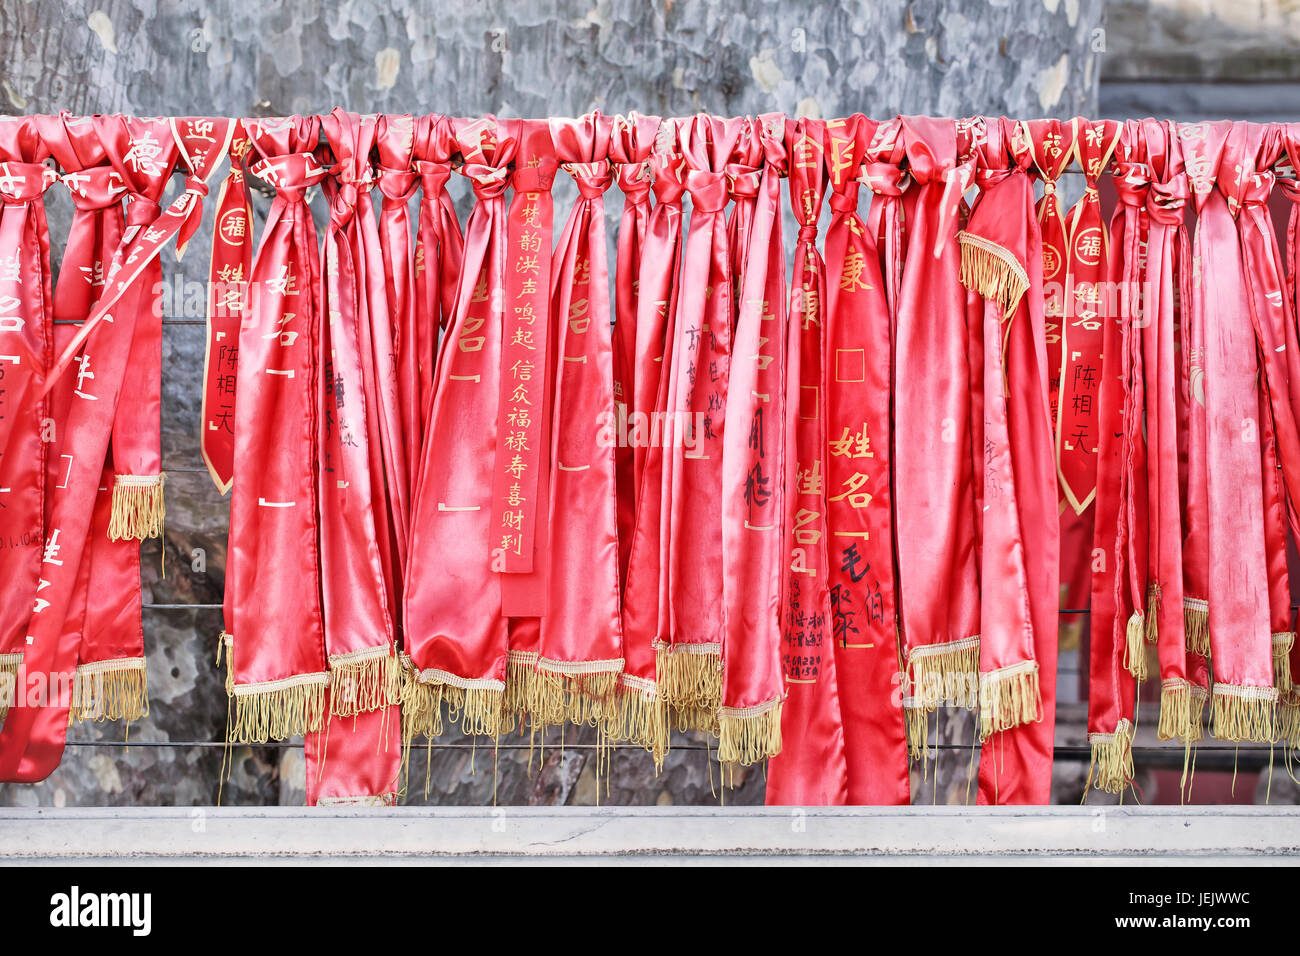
[[592, 178], [433, 176], [1256, 188], [668, 189], [635, 179], [884, 179], [291, 175], [489, 182], [1166, 202], [708, 190], [535, 176], [397, 186], [142, 211], [1132, 182], [743, 181], [845, 199], [99, 187], [808, 232], [24, 182]]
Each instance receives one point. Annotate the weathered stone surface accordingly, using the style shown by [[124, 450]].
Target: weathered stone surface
[[555, 57]]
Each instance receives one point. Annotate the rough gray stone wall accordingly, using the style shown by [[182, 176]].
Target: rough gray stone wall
[[555, 57]]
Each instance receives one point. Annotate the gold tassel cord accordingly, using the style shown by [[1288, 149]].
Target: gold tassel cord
[[642, 718], [1282, 643], [1244, 713], [747, 735], [522, 693], [916, 724], [110, 690], [9, 666], [275, 710], [364, 681], [1009, 697], [476, 705], [1111, 767], [689, 678], [138, 507], [993, 272], [1196, 625], [1135, 652], [1153, 612], [945, 673]]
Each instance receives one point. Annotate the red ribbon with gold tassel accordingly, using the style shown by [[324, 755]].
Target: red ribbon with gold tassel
[[858, 377], [26, 347], [279, 672], [455, 633], [689, 660], [1001, 259], [1243, 697], [934, 496], [753, 466], [643, 718]]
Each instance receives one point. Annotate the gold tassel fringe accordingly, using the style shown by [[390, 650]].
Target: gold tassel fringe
[[1111, 768], [9, 665], [1244, 713], [278, 709], [642, 718], [479, 710], [575, 696], [1196, 625], [945, 673], [138, 507], [690, 683], [110, 690], [521, 694], [364, 681], [1135, 652], [1282, 643], [747, 735], [1009, 697], [993, 272]]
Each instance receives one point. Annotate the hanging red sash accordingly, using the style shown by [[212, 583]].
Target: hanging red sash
[[455, 633], [1254, 151], [1001, 258], [857, 374], [1167, 255], [753, 466], [110, 680], [1243, 697], [228, 271], [581, 651], [1289, 135], [807, 653], [26, 345], [32, 740], [277, 652], [629, 151], [934, 495], [689, 660], [438, 251], [643, 719], [144, 161]]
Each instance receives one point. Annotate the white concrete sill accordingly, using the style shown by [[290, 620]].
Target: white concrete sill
[[653, 835]]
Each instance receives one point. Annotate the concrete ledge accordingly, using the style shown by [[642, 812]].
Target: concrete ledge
[[653, 835]]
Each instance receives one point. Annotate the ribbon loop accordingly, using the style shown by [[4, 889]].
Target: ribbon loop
[[488, 182], [24, 182], [708, 190], [291, 175], [397, 186]]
